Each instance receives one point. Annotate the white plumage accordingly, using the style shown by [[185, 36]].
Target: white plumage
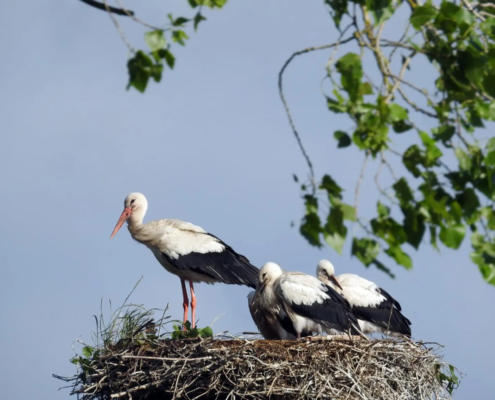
[[310, 305], [186, 250], [375, 309]]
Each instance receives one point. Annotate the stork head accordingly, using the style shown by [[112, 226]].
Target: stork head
[[268, 274], [134, 203], [325, 272]]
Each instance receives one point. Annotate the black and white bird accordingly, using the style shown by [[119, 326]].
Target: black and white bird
[[310, 305], [186, 250], [271, 320], [374, 308]]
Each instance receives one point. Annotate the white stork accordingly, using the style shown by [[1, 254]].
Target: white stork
[[310, 305], [374, 308], [186, 250], [272, 322]]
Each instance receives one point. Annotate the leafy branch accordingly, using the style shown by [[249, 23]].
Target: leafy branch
[[458, 42]]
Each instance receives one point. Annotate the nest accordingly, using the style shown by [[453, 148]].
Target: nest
[[258, 369]]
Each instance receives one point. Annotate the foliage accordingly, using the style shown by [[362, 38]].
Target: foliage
[[144, 65], [446, 190]]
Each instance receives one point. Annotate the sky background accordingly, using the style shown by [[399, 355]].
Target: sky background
[[210, 145]]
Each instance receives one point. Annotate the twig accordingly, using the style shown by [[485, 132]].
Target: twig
[[415, 106], [119, 29], [358, 184], [168, 359], [105, 7], [286, 106], [131, 14]]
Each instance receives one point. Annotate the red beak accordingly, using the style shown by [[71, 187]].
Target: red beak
[[123, 217], [334, 280]]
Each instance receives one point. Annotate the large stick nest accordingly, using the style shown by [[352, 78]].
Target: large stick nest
[[257, 369]]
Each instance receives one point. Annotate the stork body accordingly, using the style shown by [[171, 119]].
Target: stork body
[[186, 250], [271, 320], [374, 308], [310, 305]]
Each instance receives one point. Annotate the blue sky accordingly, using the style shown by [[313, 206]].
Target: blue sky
[[210, 145]]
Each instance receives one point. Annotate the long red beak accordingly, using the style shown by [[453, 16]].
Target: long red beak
[[334, 280], [123, 217]]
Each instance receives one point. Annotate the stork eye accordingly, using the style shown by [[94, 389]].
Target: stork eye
[[132, 201], [264, 274]]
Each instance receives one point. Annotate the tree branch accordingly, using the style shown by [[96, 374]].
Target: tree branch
[[104, 7], [286, 106], [358, 184]]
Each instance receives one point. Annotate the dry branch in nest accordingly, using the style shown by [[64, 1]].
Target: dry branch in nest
[[258, 369]]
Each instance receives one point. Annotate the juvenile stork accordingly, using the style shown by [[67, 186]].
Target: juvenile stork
[[272, 322], [186, 250], [311, 305], [374, 308]]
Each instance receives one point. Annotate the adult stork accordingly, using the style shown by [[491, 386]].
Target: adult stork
[[186, 250], [374, 308], [311, 305]]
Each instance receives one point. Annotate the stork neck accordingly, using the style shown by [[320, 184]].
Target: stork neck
[[136, 218]]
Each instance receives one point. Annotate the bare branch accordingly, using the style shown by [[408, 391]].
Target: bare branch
[[286, 106], [359, 182], [135, 19], [105, 7], [119, 29], [413, 105]]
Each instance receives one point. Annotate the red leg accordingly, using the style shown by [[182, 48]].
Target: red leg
[[185, 304], [193, 304]]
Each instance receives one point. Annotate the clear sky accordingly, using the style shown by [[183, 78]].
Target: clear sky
[[210, 145]]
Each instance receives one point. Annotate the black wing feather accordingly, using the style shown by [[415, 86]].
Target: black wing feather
[[335, 312], [226, 266], [386, 315]]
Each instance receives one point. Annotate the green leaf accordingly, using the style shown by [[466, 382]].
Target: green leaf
[[432, 151], [422, 15], [343, 138], [179, 36], [397, 113], [335, 240], [348, 211], [197, 19], [443, 133], [351, 72], [414, 226], [87, 351], [399, 256], [401, 126], [337, 9], [139, 68], [464, 159], [192, 3], [403, 192], [311, 228], [489, 83], [168, 57], [452, 236], [412, 158], [469, 202], [381, 10], [488, 27], [365, 250], [180, 21], [333, 189], [383, 210], [335, 222], [155, 40], [335, 106], [487, 269], [206, 332]]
